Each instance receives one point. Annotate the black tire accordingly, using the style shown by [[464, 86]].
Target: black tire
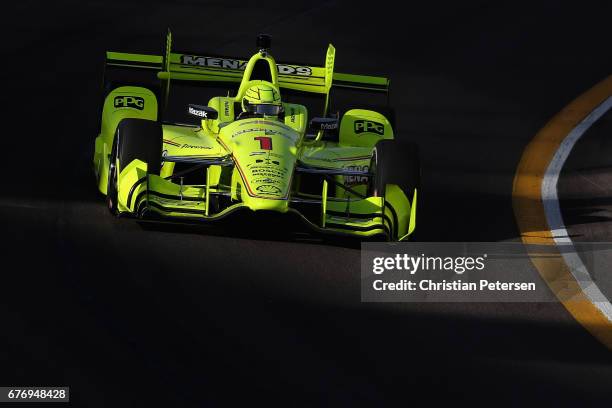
[[394, 163], [134, 139], [111, 188]]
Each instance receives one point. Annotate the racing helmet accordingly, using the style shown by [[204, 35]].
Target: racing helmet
[[262, 99]]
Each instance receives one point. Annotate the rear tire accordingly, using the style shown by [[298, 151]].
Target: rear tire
[[134, 139]]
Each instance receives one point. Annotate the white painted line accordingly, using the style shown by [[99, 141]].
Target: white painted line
[[552, 209]]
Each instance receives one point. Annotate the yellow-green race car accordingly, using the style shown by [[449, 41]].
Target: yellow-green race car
[[254, 149]]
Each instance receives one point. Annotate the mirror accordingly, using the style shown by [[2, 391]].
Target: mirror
[[203, 112]]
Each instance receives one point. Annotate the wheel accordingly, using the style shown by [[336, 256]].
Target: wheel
[[394, 163], [111, 189], [134, 139]]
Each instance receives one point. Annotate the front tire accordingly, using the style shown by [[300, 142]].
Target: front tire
[[111, 186], [395, 163], [134, 139]]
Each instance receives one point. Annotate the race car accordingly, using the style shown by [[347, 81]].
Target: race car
[[254, 147]]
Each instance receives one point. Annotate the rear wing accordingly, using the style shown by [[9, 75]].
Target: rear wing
[[188, 66], [199, 67], [228, 72]]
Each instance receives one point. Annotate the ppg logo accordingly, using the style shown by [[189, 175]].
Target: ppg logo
[[135, 102], [363, 126]]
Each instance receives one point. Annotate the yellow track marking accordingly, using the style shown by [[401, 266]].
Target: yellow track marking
[[531, 217]]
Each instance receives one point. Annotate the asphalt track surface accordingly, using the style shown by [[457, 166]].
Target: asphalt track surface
[[134, 315], [585, 196], [585, 190]]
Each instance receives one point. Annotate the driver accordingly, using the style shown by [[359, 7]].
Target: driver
[[262, 100]]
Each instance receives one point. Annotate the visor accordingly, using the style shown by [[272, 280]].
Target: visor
[[263, 109]]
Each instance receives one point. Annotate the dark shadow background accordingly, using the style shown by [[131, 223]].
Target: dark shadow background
[[129, 315]]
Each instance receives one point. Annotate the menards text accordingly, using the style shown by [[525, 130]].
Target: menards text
[[239, 65]]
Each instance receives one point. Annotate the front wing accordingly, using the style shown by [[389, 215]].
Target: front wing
[[141, 194]]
